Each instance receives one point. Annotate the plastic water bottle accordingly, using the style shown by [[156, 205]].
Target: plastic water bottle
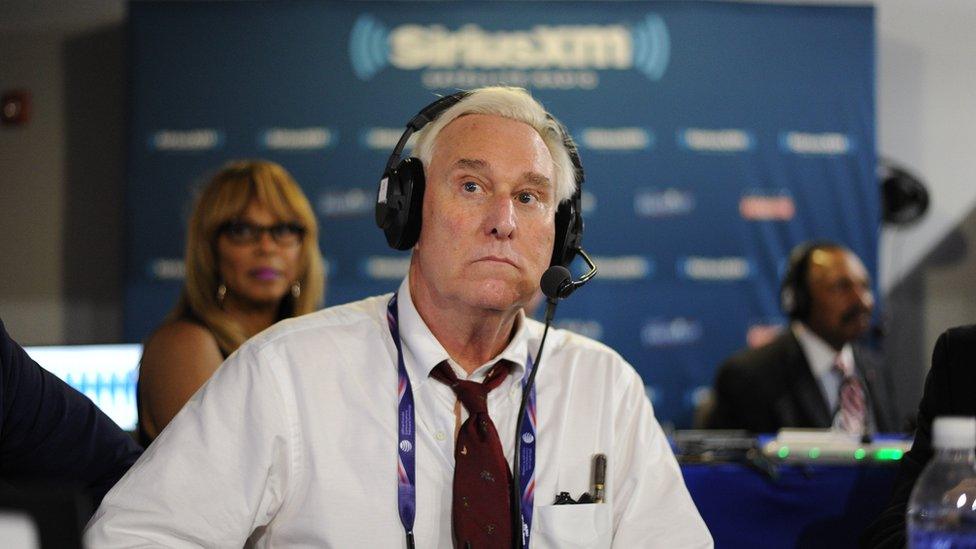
[[942, 507]]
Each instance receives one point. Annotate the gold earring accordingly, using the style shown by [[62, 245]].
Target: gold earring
[[296, 290], [221, 293]]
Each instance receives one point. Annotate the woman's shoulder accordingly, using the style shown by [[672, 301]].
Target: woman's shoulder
[[180, 339], [181, 332]]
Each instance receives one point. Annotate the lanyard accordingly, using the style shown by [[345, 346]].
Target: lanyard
[[406, 464]]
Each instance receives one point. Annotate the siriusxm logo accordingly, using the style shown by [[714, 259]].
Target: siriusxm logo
[[297, 139], [646, 47], [664, 203], [203, 139], [166, 268], [344, 202], [715, 140], [625, 267], [588, 328], [714, 268], [762, 206], [384, 139], [386, 267], [671, 332], [829, 144], [616, 139]]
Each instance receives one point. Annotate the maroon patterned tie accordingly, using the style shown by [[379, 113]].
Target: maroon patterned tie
[[852, 409], [481, 512]]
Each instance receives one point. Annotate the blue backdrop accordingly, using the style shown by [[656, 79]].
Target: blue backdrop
[[715, 137]]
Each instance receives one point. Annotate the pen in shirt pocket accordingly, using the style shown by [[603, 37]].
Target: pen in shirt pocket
[[599, 477]]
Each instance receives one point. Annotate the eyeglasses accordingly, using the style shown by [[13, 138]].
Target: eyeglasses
[[241, 232]]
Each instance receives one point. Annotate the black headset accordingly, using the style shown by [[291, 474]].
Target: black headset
[[794, 294], [399, 202]]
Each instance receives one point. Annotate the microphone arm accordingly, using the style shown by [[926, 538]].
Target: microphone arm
[[560, 277]]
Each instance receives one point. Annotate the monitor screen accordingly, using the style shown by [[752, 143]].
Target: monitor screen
[[104, 373]]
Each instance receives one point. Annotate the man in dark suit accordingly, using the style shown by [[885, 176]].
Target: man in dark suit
[[950, 390], [51, 433], [811, 375]]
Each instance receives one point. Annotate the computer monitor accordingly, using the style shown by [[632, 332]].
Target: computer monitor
[[106, 374]]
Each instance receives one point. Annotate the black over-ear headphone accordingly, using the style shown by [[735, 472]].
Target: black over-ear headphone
[[794, 294], [399, 202]]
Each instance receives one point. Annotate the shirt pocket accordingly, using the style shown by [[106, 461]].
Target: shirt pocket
[[571, 526]]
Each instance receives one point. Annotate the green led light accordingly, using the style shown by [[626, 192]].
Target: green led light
[[814, 453], [783, 452], [859, 453], [888, 454]]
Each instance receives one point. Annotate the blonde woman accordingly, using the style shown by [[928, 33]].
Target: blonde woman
[[252, 258]]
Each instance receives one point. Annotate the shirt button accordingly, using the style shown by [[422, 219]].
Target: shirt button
[[439, 435]]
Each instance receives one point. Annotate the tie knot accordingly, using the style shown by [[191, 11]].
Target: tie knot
[[841, 366], [473, 395]]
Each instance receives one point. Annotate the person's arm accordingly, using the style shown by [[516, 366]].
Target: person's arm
[[178, 359], [220, 469], [49, 431], [652, 506], [888, 530]]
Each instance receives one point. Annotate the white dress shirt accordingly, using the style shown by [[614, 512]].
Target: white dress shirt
[[293, 442]]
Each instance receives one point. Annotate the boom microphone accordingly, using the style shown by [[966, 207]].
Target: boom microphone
[[558, 283], [554, 280]]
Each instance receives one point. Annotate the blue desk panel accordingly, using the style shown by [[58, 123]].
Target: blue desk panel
[[805, 506]]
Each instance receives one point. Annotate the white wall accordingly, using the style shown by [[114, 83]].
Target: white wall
[[60, 259], [927, 117]]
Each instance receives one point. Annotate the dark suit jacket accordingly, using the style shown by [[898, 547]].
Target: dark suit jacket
[[771, 387], [51, 432], [950, 389]]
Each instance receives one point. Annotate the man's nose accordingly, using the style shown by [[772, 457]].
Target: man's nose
[[501, 220]]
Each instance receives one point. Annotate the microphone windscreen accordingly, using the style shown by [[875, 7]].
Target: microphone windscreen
[[553, 279]]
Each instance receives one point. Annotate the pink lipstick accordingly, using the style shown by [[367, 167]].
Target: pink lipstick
[[265, 273]]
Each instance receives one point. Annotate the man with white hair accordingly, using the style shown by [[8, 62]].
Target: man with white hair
[[392, 421]]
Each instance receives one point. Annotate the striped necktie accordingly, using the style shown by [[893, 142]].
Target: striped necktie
[[852, 410]]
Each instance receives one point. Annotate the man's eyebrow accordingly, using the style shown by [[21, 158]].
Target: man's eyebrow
[[471, 164], [534, 179]]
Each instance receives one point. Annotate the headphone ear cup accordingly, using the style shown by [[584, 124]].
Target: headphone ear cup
[[569, 233], [404, 204], [801, 306]]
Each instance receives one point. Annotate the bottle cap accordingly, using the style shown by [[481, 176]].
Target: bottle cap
[[954, 432]]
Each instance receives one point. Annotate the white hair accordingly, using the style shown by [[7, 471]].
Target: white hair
[[516, 104]]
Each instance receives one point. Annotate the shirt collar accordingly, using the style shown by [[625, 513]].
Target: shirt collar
[[820, 355], [422, 351]]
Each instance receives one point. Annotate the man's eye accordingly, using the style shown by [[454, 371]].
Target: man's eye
[[526, 198], [470, 186]]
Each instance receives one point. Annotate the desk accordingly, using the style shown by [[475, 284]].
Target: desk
[[815, 506]]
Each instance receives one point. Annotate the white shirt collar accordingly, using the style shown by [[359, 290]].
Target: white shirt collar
[[820, 355], [419, 341]]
